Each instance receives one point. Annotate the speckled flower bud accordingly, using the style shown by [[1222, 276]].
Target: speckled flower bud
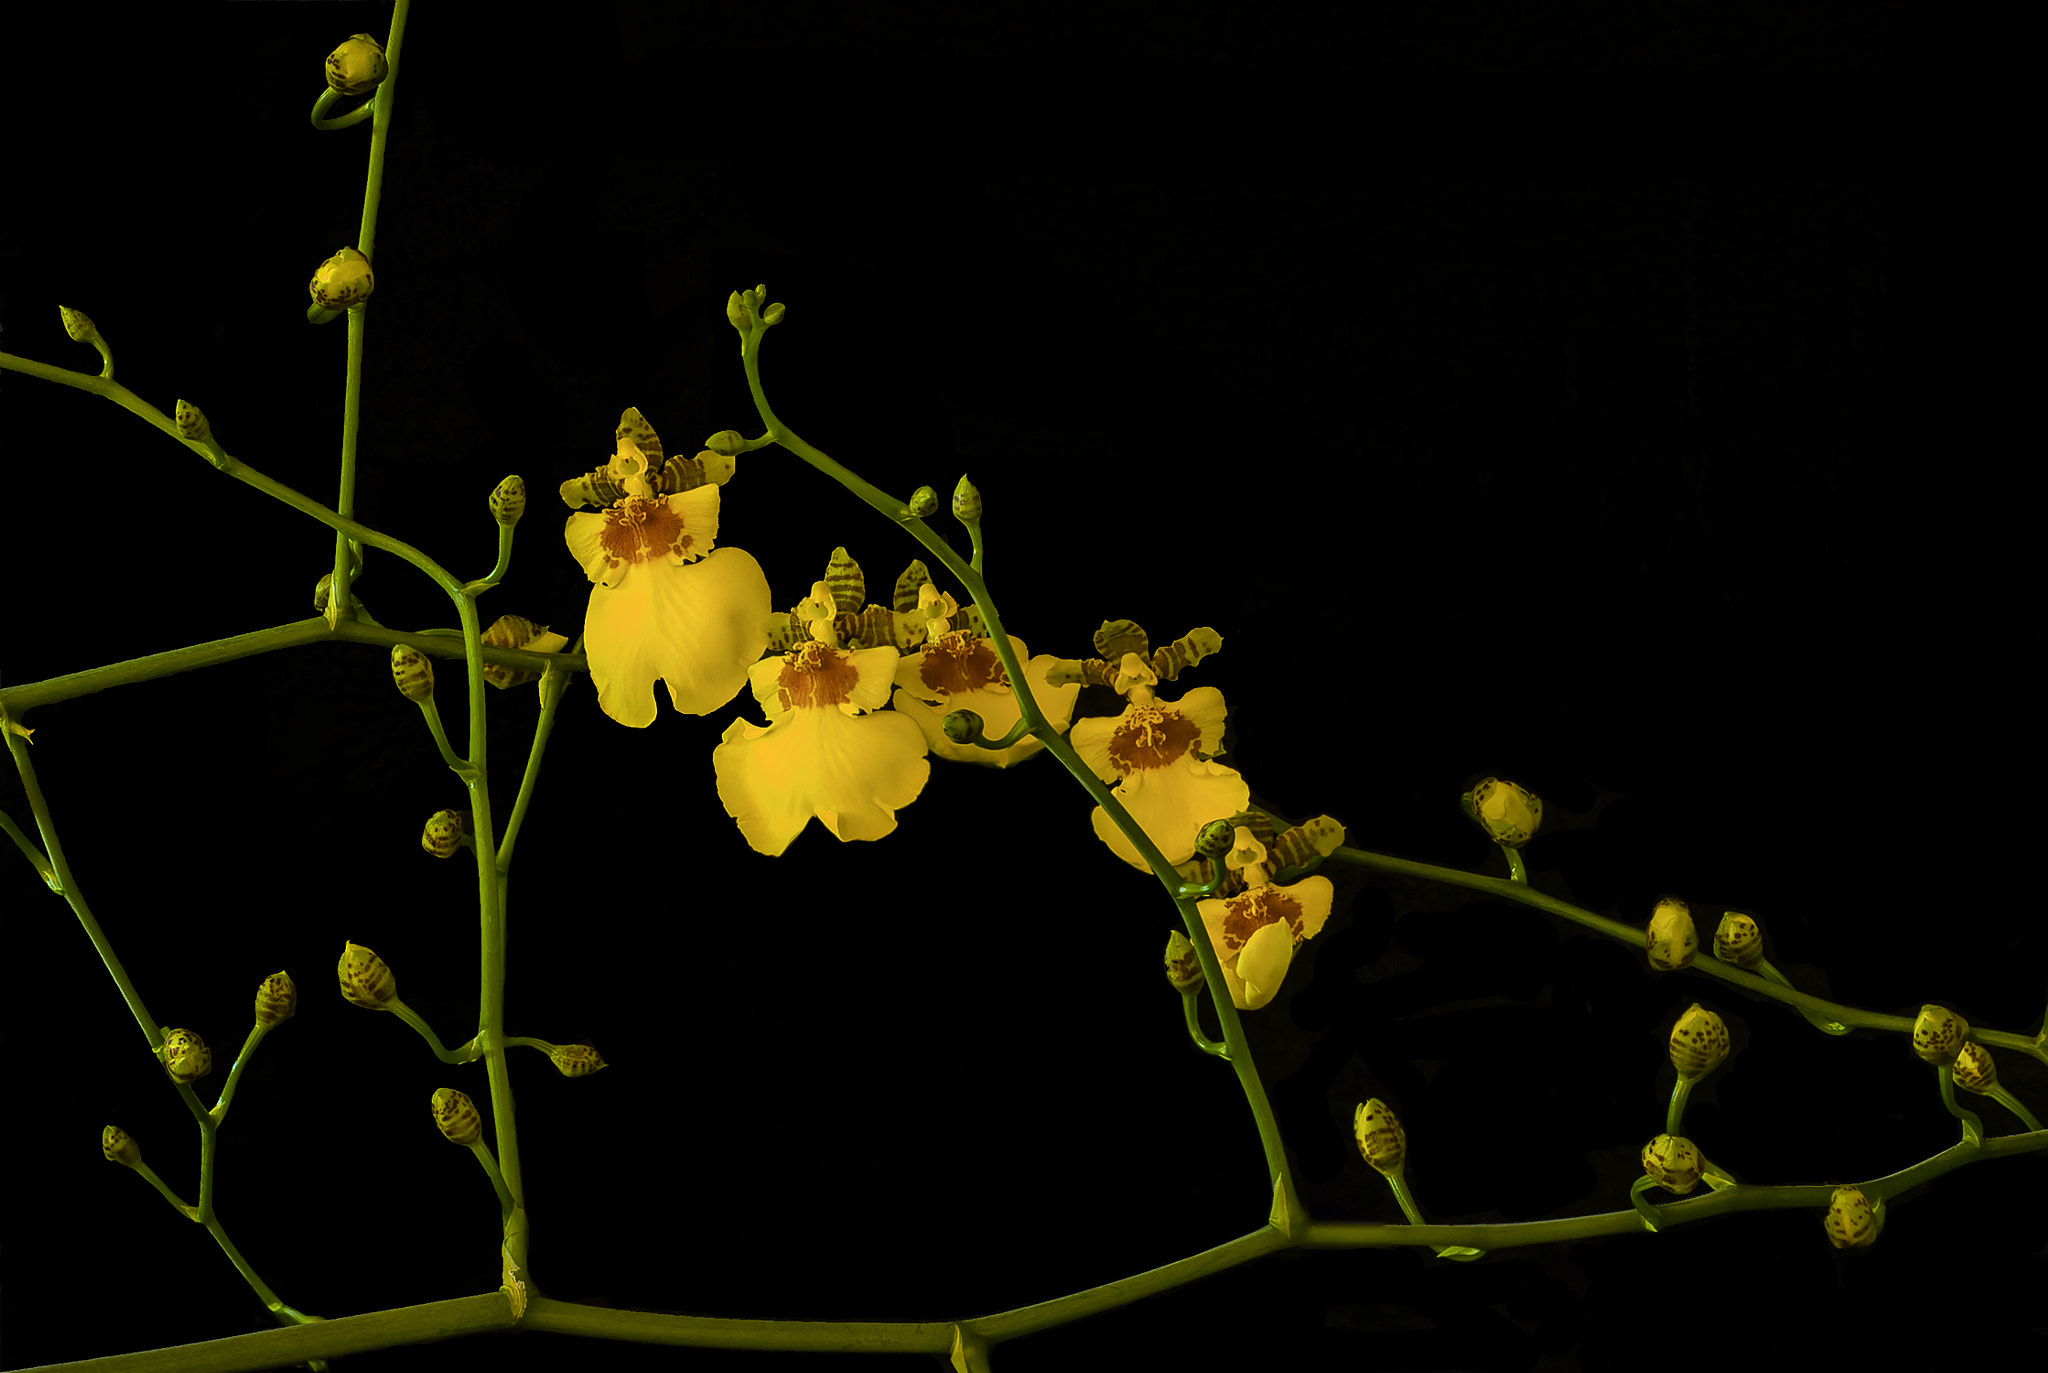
[[456, 1114], [185, 1056], [1380, 1137], [120, 1147], [576, 1060], [1673, 1162], [1699, 1042], [1216, 838], [277, 1000], [413, 672], [357, 66], [443, 834], [1973, 1067], [923, 502], [1183, 965], [1510, 814], [736, 313], [508, 500], [962, 726], [1738, 940], [727, 443], [966, 501], [342, 281], [1938, 1034], [1851, 1221], [1670, 938], [191, 421], [78, 324], [364, 978]]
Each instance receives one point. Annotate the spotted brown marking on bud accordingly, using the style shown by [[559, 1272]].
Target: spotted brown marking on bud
[[412, 672], [516, 631], [443, 833], [1673, 1162], [365, 980], [1183, 964], [1851, 1221], [1938, 1034], [119, 1146], [1670, 939], [456, 1114], [508, 500], [1738, 939], [576, 1060], [1973, 1067], [1381, 1140], [1118, 637], [277, 1000], [1699, 1042], [185, 1056]]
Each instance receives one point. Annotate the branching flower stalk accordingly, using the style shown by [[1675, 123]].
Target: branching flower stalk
[[1246, 891]]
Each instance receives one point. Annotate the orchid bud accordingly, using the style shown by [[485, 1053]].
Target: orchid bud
[[456, 1114], [1938, 1034], [413, 672], [966, 502], [1670, 938], [1973, 1067], [1183, 965], [1699, 1042], [191, 421], [1738, 940], [1508, 813], [357, 66], [443, 834], [727, 443], [1380, 1138], [342, 281], [736, 314], [120, 1147], [923, 502], [508, 501], [1673, 1162], [773, 314], [1216, 838], [576, 1060], [277, 1000], [185, 1056], [1851, 1222], [962, 726], [77, 324], [364, 978]]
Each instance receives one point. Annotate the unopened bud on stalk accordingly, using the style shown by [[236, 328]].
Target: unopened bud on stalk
[[1183, 965], [1673, 1162], [727, 443], [1216, 838], [191, 421], [185, 1056], [1973, 1067], [508, 500], [78, 324], [357, 66], [1851, 1221], [1938, 1034], [342, 281], [576, 1060], [923, 501], [966, 501], [120, 1147], [443, 834], [1510, 814], [413, 672], [773, 314], [1380, 1137], [962, 726], [1738, 940], [456, 1114], [364, 978], [1699, 1042], [1670, 938], [277, 1000]]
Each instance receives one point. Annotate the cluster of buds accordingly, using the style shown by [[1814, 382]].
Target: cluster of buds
[[1939, 1034]]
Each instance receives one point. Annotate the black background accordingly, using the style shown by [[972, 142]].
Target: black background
[[1654, 489]]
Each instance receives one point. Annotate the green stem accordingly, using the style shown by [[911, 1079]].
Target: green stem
[[1202, 1041], [1674, 1118], [505, 1203], [227, 1091], [412, 1018], [32, 853], [149, 1176], [1398, 1180], [1816, 1019], [554, 680], [1516, 872], [1973, 1128], [1277, 1171]]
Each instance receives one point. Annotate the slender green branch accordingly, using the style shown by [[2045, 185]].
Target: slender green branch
[[466, 1054], [227, 1091]]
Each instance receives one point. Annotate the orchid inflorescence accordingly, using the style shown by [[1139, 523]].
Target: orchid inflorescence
[[855, 697]]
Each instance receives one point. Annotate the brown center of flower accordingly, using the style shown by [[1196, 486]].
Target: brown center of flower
[[1151, 737], [957, 662], [1249, 912], [814, 675], [639, 529]]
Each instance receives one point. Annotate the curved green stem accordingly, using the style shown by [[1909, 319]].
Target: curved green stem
[[505, 1203], [1516, 872], [227, 1091], [412, 1018], [1202, 1041], [1278, 1172], [432, 713], [1674, 1118], [1973, 1128]]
